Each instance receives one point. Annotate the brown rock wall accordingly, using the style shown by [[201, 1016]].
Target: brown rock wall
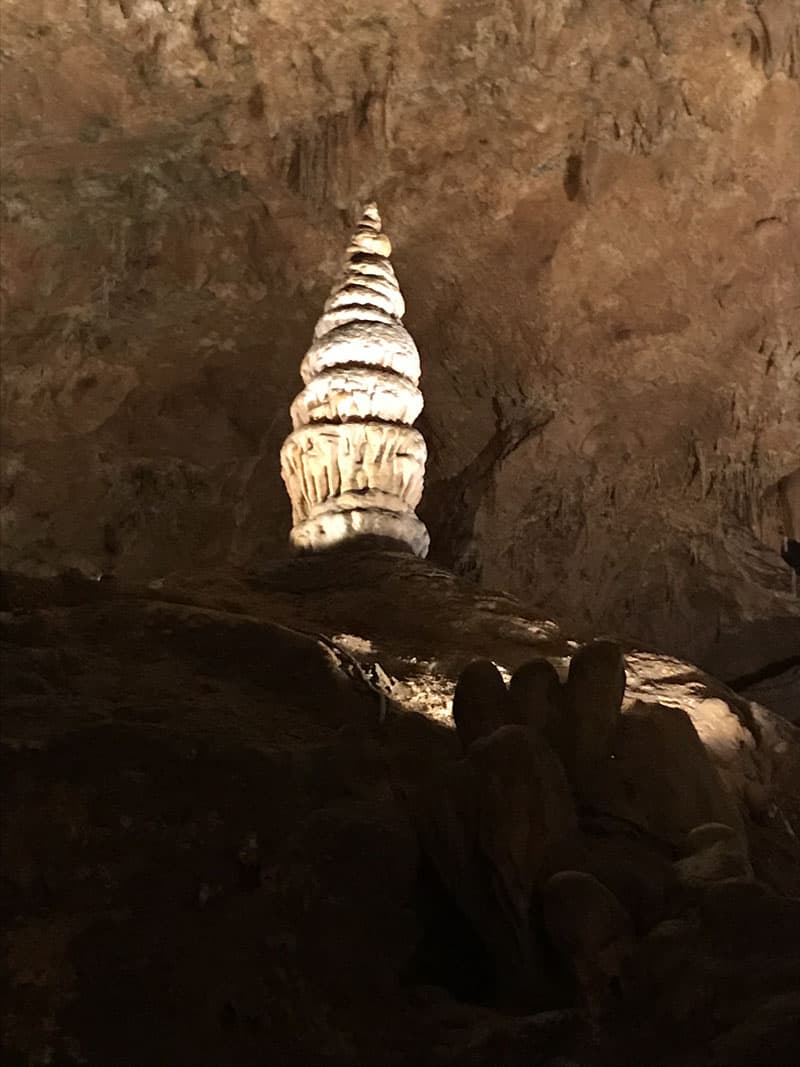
[[595, 211]]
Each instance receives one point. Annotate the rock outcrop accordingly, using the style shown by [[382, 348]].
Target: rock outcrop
[[623, 822], [210, 852]]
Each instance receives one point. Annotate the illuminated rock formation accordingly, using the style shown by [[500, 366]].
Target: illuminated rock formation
[[353, 465]]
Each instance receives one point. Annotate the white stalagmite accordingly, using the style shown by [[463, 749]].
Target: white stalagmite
[[354, 466]]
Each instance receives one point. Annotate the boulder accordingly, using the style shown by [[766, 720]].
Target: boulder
[[667, 776], [715, 854], [633, 867]]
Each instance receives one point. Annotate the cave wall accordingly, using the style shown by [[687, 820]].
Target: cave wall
[[595, 209]]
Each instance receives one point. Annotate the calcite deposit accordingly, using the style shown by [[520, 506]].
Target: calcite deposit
[[354, 466]]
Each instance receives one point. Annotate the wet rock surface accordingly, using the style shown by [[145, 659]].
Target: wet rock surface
[[210, 856]]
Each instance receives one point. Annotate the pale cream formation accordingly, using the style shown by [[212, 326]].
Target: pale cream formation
[[353, 465]]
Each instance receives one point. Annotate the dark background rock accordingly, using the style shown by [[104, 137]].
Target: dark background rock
[[207, 853]]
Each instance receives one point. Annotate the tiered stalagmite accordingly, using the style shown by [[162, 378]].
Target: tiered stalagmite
[[354, 465]]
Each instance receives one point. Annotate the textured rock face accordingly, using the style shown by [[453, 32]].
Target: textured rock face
[[208, 856], [595, 216], [354, 466]]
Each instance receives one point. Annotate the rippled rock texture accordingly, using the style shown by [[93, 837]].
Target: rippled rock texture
[[354, 466], [596, 222]]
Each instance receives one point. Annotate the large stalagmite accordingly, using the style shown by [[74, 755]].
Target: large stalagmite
[[354, 465]]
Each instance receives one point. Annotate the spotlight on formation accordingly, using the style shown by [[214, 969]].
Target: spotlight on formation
[[354, 466]]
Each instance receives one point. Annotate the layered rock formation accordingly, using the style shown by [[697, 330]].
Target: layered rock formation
[[354, 466]]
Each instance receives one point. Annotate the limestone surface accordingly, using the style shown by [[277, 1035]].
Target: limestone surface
[[667, 774], [205, 816], [595, 217], [354, 466]]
